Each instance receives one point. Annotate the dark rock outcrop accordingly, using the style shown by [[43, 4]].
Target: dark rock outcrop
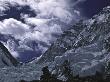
[[6, 59]]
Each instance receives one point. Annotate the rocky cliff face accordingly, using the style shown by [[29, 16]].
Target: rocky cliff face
[[6, 59], [86, 45]]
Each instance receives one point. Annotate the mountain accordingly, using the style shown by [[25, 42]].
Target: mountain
[[85, 45], [6, 59]]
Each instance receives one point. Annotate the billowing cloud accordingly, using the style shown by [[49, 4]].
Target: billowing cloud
[[13, 27], [35, 34]]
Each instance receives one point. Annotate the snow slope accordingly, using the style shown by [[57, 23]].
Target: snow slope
[[6, 59]]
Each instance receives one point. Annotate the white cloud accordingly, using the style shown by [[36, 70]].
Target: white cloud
[[13, 27], [56, 8], [44, 8], [47, 23], [36, 21], [41, 33], [76, 2], [77, 12]]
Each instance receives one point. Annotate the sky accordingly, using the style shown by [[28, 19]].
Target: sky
[[92, 7], [29, 27]]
